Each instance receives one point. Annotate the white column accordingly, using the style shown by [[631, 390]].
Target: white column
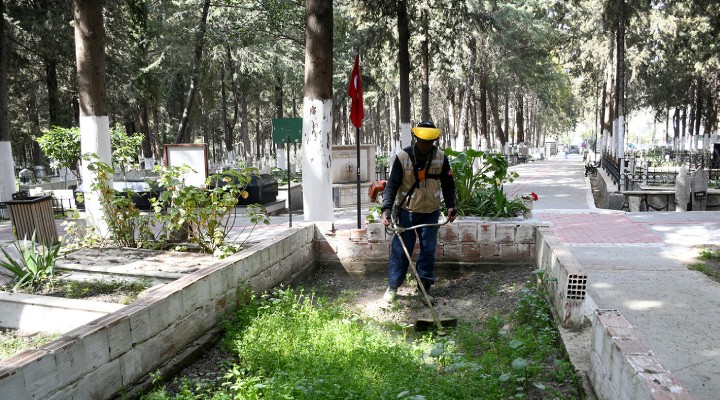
[[7, 172]]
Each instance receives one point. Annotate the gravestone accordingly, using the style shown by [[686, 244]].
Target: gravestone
[[699, 186], [682, 190]]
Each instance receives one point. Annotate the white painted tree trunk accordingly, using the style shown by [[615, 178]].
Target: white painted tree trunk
[[282, 163], [405, 135], [94, 139], [231, 157], [149, 162], [316, 164], [7, 172], [620, 137]]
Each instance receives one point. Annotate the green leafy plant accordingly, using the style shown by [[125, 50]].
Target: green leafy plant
[[127, 226], [479, 179], [207, 213], [35, 265], [62, 146]]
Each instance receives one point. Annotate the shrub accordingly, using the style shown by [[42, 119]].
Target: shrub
[[35, 265]]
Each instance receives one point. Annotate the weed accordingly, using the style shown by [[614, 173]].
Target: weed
[[12, 342], [296, 345], [35, 265]]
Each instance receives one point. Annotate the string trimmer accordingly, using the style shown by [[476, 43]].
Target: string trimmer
[[397, 230]]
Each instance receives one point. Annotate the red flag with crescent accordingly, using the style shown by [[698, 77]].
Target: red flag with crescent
[[357, 113]]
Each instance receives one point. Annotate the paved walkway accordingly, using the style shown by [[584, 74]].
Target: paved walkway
[[635, 264]]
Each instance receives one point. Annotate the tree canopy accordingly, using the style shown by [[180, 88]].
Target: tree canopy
[[500, 71]]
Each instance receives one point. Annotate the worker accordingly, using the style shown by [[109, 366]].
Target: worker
[[420, 178]]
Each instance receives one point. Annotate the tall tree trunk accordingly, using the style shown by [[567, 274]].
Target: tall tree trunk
[[425, 68], [469, 83], [7, 169], [404, 63], [317, 111], [388, 142], [698, 110], [506, 116], [244, 126], [199, 40], [500, 135], [474, 136], [620, 85], [258, 137], [227, 125], [606, 111], [520, 118], [94, 122], [484, 132]]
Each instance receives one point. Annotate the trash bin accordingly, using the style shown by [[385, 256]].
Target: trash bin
[[33, 214]]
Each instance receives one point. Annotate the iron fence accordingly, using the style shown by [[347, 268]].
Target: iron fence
[[657, 168]]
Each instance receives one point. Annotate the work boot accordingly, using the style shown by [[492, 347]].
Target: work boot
[[390, 295]]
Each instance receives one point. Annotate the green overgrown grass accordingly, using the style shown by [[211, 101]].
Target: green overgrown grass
[[296, 346], [11, 343], [708, 257]]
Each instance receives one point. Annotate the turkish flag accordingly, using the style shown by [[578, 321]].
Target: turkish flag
[[357, 113]]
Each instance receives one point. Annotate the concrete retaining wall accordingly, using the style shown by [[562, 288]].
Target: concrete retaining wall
[[622, 366], [34, 313], [464, 241], [99, 359]]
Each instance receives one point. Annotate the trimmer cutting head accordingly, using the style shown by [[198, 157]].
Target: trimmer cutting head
[[426, 324]]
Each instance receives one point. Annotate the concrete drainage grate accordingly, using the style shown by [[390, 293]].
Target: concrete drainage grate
[[576, 287]]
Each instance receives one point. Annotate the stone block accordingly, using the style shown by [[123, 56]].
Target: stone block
[[40, 375], [119, 337], [376, 233], [103, 383], [141, 328], [71, 362], [12, 385], [131, 366], [452, 251], [508, 252], [448, 234], [486, 234], [468, 232], [505, 233], [525, 233]]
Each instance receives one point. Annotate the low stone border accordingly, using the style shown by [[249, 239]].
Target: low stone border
[[36, 313], [564, 276], [623, 367]]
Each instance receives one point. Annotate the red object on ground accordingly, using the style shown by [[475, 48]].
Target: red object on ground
[[375, 188]]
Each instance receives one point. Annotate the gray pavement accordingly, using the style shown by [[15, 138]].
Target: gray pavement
[[635, 263]]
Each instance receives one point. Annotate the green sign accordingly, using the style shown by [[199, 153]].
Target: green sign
[[287, 130]]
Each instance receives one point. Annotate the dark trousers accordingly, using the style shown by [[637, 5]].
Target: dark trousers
[[426, 259]]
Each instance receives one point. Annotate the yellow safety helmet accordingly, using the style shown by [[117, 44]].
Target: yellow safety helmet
[[426, 131]]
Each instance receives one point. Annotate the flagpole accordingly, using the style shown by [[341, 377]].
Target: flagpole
[[357, 145], [357, 149]]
